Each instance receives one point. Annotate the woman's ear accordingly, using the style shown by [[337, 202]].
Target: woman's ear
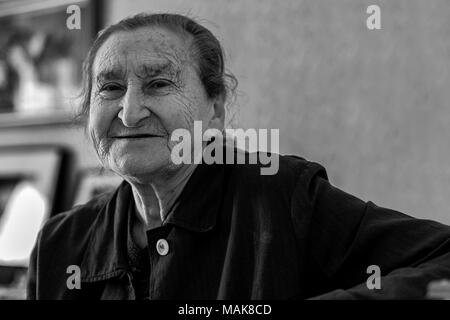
[[218, 117]]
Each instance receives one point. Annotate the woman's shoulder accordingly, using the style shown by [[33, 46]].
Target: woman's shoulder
[[277, 169], [75, 222]]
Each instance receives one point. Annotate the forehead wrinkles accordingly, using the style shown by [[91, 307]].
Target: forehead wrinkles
[[108, 57], [168, 43], [148, 46]]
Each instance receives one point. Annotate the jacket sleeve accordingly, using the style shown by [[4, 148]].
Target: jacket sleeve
[[346, 236]]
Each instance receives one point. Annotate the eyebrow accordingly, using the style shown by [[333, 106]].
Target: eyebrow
[[111, 74], [156, 69], [144, 71]]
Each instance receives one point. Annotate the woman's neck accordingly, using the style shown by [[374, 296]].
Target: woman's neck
[[155, 198]]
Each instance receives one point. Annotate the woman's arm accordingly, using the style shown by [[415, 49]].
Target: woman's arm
[[347, 235]]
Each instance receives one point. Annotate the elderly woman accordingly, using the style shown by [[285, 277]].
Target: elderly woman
[[212, 231]]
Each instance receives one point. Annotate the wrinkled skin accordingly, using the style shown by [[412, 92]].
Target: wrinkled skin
[[145, 83]]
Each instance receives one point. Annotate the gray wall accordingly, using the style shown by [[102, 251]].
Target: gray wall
[[371, 106]]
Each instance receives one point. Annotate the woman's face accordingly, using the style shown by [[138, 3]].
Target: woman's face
[[144, 87]]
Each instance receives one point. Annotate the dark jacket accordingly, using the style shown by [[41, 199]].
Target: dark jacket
[[238, 234]]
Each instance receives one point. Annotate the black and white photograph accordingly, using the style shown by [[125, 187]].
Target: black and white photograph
[[205, 152]]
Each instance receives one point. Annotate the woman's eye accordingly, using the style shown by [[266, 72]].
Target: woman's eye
[[111, 87], [111, 90], [159, 84]]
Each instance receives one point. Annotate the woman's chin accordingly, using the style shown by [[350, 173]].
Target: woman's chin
[[140, 167]]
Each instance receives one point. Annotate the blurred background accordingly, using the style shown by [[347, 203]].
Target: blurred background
[[372, 106]]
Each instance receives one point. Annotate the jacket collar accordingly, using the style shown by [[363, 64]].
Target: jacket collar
[[199, 203], [196, 210]]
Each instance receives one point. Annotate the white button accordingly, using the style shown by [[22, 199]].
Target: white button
[[162, 246]]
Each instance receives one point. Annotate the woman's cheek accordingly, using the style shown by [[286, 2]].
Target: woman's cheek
[[172, 125], [100, 119], [103, 112]]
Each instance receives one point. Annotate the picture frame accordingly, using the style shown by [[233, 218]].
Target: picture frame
[[41, 57], [30, 177]]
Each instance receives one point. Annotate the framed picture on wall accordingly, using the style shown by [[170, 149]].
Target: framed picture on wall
[[29, 179], [42, 46]]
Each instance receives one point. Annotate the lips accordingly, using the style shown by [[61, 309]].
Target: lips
[[136, 136]]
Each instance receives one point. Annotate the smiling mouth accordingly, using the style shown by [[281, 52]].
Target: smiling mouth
[[137, 136]]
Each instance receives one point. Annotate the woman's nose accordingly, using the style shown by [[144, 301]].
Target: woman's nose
[[133, 110]]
